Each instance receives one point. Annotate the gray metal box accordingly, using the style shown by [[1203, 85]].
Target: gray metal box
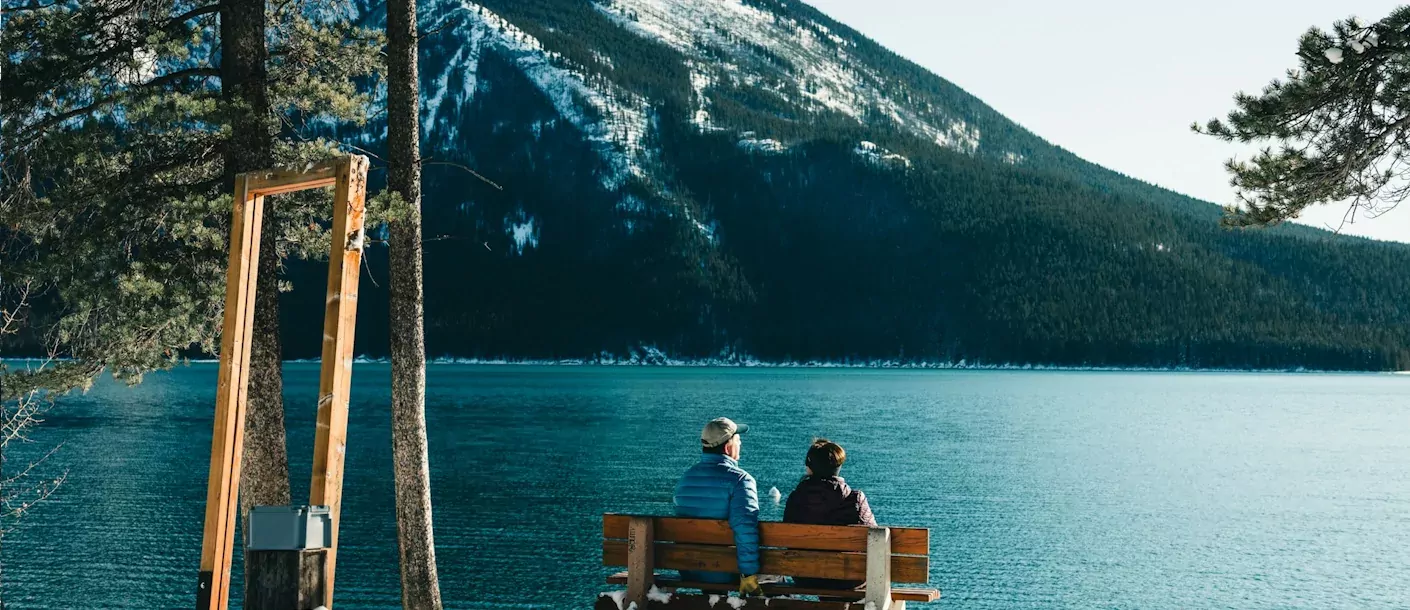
[[289, 528]]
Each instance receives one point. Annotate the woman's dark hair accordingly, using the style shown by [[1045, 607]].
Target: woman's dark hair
[[825, 458]]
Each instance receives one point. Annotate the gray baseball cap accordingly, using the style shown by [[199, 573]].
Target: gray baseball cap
[[720, 430]]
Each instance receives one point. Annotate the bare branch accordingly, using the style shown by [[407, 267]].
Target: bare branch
[[472, 172]]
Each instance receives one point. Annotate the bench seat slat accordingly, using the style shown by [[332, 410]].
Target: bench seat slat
[[849, 538], [784, 562], [897, 593]]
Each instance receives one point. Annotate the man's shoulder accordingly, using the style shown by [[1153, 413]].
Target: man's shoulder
[[726, 469]]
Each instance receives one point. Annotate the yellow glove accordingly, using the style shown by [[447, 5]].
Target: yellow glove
[[749, 585]]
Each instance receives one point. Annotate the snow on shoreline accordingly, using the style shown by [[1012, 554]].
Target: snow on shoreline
[[740, 362], [819, 364]]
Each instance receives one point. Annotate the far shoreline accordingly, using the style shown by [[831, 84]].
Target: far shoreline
[[764, 365], [821, 365]]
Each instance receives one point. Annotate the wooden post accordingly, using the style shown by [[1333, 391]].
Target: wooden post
[[349, 177], [227, 440], [879, 569], [339, 321], [285, 580], [641, 559]]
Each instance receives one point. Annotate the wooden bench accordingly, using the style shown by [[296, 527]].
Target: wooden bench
[[879, 556]]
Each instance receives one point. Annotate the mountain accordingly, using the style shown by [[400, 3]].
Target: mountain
[[717, 178]]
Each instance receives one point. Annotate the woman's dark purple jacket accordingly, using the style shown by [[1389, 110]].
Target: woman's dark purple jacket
[[827, 501]]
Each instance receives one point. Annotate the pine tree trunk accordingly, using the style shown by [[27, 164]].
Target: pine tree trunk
[[264, 476], [419, 587]]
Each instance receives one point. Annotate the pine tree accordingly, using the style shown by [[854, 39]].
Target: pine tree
[[114, 126], [1335, 130], [244, 74], [122, 129], [420, 589]]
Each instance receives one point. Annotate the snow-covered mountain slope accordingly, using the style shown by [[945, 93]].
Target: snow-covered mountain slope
[[727, 46], [615, 120], [772, 73], [799, 60]]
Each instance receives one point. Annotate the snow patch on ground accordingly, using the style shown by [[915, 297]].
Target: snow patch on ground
[[523, 232], [701, 79], [657, 595], [619, 597], [956, 135], [879, 156], [748, 142], [1013, 158], [707, 231], [604, 60], [433, 121]]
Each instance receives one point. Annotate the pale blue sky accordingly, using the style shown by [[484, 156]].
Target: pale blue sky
[[1117, 82]]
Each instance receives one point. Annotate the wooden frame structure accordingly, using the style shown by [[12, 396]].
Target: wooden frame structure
[[348, 176]]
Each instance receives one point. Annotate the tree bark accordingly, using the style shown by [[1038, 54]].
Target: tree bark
[[264, 476], [285, 580], [419, 587]]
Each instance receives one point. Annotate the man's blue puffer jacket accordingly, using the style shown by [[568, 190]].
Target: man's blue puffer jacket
[[717, 488]]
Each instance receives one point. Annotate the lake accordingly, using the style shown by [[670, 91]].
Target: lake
[[1041, 489]]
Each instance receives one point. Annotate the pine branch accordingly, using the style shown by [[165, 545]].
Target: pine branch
[[32, 131], [32, 6], [83, 63]]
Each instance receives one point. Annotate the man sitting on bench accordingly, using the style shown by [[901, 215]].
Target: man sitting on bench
[[717, 488]]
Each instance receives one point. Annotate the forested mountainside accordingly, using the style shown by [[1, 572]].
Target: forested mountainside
[[716, 177]]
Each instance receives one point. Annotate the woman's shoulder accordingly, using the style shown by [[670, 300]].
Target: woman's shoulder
[[859, 496]]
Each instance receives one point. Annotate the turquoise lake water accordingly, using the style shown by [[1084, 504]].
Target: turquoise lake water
[[1041, 489]]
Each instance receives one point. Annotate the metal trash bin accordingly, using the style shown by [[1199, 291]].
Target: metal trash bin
[[289, 528]]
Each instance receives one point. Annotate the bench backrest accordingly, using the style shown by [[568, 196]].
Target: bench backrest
[[785, 549]]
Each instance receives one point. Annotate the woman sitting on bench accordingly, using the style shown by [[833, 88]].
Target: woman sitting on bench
[[823, 498]]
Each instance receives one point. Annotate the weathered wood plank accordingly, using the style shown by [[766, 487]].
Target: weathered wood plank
[[852, 538], [277, 181], [897, 593], [783, 562], [227, 437], [641, 564], [708, 602], [339, 322], [878, 569], [285, 580]]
